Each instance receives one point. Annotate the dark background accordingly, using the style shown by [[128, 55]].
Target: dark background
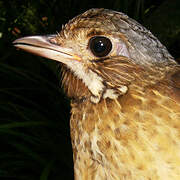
[[34, 112]]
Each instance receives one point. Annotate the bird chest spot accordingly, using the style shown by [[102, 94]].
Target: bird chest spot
[[117, 133], [122, 132], [88, 124], [87, 145], [104, 144]]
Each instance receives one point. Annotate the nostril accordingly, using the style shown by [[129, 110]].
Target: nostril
[[53, 41]]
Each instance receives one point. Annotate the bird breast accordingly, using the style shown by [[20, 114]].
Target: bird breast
[[133, 137]]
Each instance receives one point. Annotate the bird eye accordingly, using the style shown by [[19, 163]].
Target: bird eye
[[100, 46]]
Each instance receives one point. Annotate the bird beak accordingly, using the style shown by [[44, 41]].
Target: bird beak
[[46, 46]]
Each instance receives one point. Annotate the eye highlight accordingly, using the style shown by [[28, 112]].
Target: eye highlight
[[100, 46]]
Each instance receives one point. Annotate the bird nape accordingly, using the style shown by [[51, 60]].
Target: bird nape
[[125, 92]]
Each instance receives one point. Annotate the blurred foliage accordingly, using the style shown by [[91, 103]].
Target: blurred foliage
[[34, 121], [164, 22]]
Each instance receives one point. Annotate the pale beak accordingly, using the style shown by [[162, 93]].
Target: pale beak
[[46, 46]]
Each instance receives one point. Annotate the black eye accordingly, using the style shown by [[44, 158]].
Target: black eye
[[100, 46]]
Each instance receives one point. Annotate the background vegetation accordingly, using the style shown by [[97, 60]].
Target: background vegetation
[[34, 112]]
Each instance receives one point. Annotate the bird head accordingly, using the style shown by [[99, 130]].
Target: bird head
[[102, 52]]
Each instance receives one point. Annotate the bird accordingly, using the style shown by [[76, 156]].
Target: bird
[[124, 88]]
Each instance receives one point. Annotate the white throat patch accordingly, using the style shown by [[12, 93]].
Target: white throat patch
[[92, 81], [89, 78]]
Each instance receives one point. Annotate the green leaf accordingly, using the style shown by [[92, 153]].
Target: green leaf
[[47, 170]]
